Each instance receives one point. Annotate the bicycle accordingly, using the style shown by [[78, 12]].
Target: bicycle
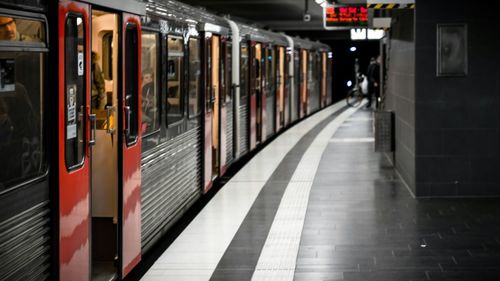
[[356, 94]]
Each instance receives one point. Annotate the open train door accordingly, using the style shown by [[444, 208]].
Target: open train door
[[323, 97], [74, 136], [209, 101], [281, 100], [304, 59], [129, 211], [254, 91], [87, 217], [213, 108]]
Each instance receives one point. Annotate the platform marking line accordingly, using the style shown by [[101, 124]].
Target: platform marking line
[[350, 140], [194, 255], [278, 258]]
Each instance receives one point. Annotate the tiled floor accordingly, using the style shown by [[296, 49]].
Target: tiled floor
[[361, 223]]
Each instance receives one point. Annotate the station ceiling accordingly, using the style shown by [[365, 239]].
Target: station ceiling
[[279, 15]]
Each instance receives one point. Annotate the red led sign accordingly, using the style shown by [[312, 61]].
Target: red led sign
[[346, 16]]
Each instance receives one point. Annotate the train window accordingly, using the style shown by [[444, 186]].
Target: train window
[[131, 84], [74, 58], [174, 76], [244, 74], [150, 98], [107, 55], [14, 30], [22, 76], [194, 77]]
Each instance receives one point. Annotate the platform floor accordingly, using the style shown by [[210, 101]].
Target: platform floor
[[318, 204]]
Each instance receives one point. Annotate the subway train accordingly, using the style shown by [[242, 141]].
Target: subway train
[[117, 115]]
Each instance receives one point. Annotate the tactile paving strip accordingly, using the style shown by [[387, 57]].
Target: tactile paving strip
[[278, 258]]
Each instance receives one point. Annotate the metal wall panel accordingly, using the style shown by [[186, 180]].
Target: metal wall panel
[[271, 115], [243, 129], [171, 182], [25, 241], [229, 133]]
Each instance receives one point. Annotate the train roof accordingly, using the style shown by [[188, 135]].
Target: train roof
[[261, 35], [301, 43], [183, 13]]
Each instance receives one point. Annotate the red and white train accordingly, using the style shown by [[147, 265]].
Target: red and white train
[[117, 115]]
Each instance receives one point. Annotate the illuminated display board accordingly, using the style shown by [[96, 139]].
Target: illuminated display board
[[341, 17]]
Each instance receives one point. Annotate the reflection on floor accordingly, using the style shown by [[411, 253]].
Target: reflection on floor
[[361, 222], [103, 271]]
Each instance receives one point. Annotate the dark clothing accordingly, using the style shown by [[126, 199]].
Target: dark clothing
[[97, 85], [373, 75]]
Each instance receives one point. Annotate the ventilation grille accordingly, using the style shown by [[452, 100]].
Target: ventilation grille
[[171, 182], [25, 244]]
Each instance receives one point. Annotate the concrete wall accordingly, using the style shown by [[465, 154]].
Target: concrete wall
[[400, 91], [457, 124]]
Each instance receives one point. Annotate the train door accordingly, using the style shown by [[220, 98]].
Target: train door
[[280, 92], [255, 94], [208, 116], [74, 141], [287, 76], [323, 79], [297, 79], [216, 105], [99, 87], [212, 109], [303, 83], [244, 108], [266, 98]]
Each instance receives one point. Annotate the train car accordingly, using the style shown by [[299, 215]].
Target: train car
[[312, 60], [116, 116], [73, 139], [263, 81], [171, 160]]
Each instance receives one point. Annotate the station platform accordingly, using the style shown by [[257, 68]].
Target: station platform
[[318, 203]]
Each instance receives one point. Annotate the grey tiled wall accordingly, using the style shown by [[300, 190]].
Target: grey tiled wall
[[400, 93], [457, 125]]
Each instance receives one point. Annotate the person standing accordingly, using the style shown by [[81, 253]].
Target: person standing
[[97, 82], [373, 75]]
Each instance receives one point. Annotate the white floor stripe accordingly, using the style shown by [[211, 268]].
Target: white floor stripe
[[278, 258], [194, 255], [352, 140]]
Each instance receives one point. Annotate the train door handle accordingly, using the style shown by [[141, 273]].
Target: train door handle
[[212, 95], [128, 112], [93, 123], [109, 110]]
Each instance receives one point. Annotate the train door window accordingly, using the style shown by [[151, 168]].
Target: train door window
[[244, 74], [194, 77], [150, 98], [74, 55], [22, 90], [131, 83], [174, 75], [107, 55]]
